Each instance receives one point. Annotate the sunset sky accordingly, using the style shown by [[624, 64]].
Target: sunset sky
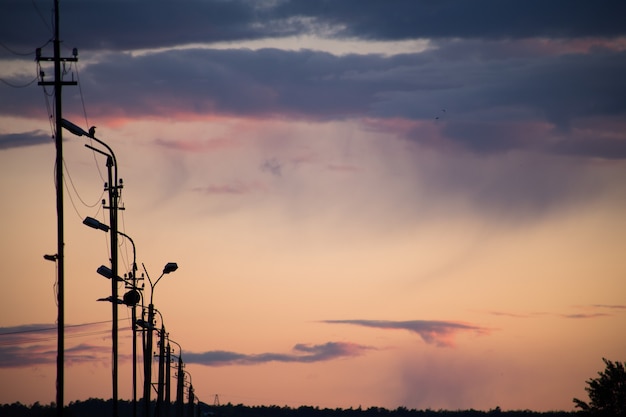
[[371, 203]]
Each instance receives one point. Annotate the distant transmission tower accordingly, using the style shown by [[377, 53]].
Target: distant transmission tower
[[216, 400]]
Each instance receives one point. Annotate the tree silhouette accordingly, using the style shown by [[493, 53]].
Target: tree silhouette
[[607, 393]]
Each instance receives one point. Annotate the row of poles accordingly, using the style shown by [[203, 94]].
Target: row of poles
[[134, 295]]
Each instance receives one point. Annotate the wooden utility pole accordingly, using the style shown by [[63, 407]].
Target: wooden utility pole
[[58, 83]]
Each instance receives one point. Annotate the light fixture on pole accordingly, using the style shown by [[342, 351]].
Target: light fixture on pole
[[113, 188], [191, 395], [161, 380], [131, 298], [180, 379], [147, 356]]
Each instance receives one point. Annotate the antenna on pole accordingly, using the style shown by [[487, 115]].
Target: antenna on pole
[[58, 83]]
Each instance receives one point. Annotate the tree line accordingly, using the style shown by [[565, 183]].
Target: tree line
[[96, 407], [607, 397]]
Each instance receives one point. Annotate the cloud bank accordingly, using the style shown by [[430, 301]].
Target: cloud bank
[[219, 21], [301, 353], [434, 332], [35, 344]]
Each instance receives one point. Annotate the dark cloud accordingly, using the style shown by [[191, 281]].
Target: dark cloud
[[439, 333], [302, 353], [410, 19], [14, 140], [100, 24], [487, 99], [272, 166]]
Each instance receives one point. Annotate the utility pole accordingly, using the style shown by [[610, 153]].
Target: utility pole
[[180, 383], [160, 387], [147, 361], [191, 400], [58, 83], [168, 375], [113, 190]]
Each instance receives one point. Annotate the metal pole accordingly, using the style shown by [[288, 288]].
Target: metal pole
[[180, 383], [191, 400], [168, 375], [134, 323], [59, 191], [133, 278], [147, 362], [160, 387], [112, 188]]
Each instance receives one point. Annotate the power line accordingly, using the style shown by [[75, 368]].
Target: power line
[[43, 19], [48, 338], [45, 329], [14, 52], [2, 80]]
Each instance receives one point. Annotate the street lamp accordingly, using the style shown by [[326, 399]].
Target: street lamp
[[180, 380], [147, 356], [112, 188], [191, 394], [160, 383], [131, 298], [95, 224]]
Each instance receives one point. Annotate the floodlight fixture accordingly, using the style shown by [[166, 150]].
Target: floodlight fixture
[[52, 258], [95, 224], [106, 272]]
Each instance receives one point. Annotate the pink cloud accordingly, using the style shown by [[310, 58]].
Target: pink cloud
[[234, 188], [342, 167], [439, 333], [194, 145], [589, 312]]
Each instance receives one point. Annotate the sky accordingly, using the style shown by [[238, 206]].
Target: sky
[[371, 204]]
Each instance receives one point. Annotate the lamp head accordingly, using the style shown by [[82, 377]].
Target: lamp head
[[132, 297], [78, 131], [106, 272], [144, 324], [170, 267], [95, 224]]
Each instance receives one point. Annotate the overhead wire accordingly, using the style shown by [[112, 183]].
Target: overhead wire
[[45, 329], [48, 25], [125, 243], [69, 182], [2, 80]]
